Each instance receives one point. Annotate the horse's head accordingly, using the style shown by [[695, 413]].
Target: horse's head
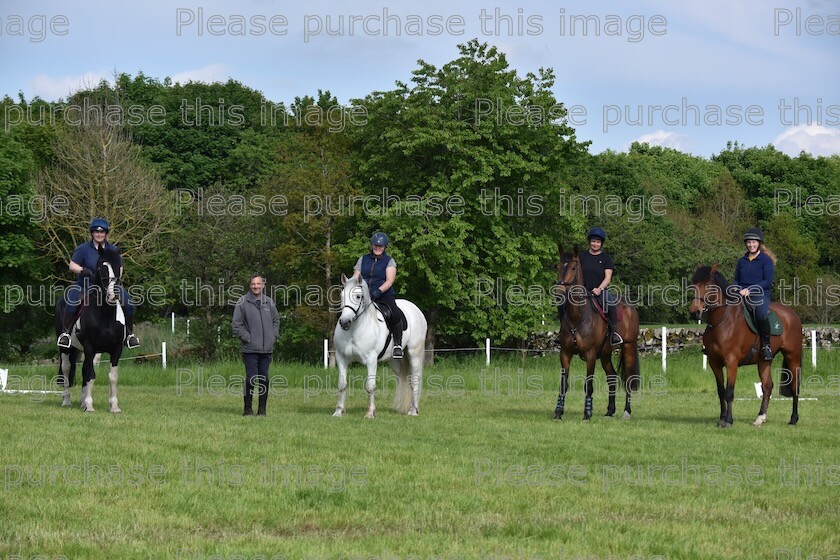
[[355, 297], [568, 271], [108, 273], [710, 289]]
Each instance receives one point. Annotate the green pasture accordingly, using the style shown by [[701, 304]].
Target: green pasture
[[482, 473]]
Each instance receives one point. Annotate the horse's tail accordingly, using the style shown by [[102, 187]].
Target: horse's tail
[[402, 397], [790, 376], [628, 367]]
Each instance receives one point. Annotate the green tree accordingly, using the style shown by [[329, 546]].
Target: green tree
[[442, 141]]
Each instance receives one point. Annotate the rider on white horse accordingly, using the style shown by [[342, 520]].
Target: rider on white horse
[[83, 264], [379, 270]]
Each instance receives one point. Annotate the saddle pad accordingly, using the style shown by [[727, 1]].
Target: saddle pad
[[775, 324]]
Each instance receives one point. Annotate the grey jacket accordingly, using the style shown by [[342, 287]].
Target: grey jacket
[[256, 323]]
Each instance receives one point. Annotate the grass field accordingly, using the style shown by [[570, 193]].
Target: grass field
[[483, 472]]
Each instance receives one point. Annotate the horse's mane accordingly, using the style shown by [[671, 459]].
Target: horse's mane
[[704, 274]]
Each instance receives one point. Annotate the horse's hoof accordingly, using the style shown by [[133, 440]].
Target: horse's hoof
[[609, 414], [116, 410], [724, 425], [558, 416], [370, 415], [89, 410], [761, 419], [66, 404], [587, 418], [414, 412], [339, 412], [626, 415]]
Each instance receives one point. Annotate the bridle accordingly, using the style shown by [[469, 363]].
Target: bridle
[[360, 309]]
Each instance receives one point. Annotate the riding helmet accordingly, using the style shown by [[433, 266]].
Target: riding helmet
[[100, 224], [379, 238], [596, 233], [754, 234]]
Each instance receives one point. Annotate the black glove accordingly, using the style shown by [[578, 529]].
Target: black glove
[[375, 294]]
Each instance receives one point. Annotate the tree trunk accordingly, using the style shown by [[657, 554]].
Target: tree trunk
[[431, 319]]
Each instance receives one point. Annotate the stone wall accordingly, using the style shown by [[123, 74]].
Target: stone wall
[[650, 338]]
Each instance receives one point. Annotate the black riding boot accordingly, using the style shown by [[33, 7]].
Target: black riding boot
[[764, 333], [263, 394], [131, 339], [616, 339], [67, 321], [396, 331], [249, 399]]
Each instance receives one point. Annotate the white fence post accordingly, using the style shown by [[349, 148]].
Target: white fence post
[[173, 322], [664, 348], [326, 353], [705, 357], [163, 354], [814, 349], [487, 349], [188, 328], [218, 335]]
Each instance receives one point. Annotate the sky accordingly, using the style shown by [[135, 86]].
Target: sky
[[685, 75]]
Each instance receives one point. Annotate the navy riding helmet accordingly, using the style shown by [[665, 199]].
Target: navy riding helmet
[[99, 224], [379, 238], [596, 233], [754, 234]]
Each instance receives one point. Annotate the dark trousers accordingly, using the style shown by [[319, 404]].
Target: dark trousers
[[256, 368], [390, 302]]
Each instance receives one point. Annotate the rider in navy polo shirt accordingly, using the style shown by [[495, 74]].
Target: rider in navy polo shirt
[[598, 267], [754, 275], [379, 270], [83, 265]]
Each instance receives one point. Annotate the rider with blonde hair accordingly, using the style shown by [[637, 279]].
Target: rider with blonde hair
[[754, 275]]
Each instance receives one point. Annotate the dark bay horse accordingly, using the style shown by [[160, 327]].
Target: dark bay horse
[[98, 331], [728, 340], [585, 333]]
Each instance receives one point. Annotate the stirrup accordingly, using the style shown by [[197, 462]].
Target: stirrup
[[616, 339], [64, 340], [132, 341], [766, 353], [397, 354]]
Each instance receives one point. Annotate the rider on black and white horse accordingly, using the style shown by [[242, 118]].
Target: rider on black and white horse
[[379, 270], [83, 265]]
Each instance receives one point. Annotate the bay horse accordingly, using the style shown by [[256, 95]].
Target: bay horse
[[728, 340], [362, 336], [585, 333], [97, 330]]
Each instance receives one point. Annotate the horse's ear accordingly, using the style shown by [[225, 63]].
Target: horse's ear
[[699, 264], [715, 267], [559, 248], [577, 249], [343, 279]]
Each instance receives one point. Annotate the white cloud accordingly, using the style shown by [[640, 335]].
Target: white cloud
[[666, 139], [814, 139], [52, 88], [208, 74]]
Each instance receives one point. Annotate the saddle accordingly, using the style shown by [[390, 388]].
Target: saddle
[[386, 315], [775, 329], [775, 323], [596, 306]]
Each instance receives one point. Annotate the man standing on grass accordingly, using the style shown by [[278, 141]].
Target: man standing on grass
[[257, 324]]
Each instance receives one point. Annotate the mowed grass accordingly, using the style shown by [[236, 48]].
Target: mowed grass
[[483, 472]]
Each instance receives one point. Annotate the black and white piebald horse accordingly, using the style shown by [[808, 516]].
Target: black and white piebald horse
[[100, 328]]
